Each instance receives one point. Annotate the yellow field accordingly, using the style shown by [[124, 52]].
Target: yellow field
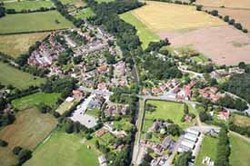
[[241, 120], [15, 45], [226, 3], [162, 17]]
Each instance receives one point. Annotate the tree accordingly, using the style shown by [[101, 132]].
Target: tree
[[214, 12], [226, 18], [16, 150], [3, 143], [199, 7], [204, 116], [183, 159], [174, 130], [23, 156]]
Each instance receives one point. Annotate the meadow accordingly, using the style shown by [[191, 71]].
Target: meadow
[[106, 1], [240, 151], [28, 5], [33, 22], [19, 79], [144, 33], [240, 120], [49, 99], [123, 124], [208, 148], [63, 149], [14, 45], [84, 13], [29, 129], [65, 106]]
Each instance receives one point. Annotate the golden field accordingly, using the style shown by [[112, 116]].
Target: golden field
[[244, 4], [160, 17]]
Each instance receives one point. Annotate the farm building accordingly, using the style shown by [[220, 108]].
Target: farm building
[[191, 137], [191, 131], [188, 144]]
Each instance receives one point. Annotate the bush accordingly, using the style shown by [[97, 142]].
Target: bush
[[3, 143], [245, 30], [226, 18], [16, 150]]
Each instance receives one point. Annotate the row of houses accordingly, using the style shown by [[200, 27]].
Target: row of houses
[[189, 140]]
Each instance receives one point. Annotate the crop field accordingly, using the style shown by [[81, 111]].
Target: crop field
[[244, 4], [10, 75], [84, 13], [241, 16], [63, 149], [241, 120], [49, 99], [144, 33], [240, 151], [208, 148], [165, 110], [162, 17], [33, 22], [28, 130], [217, 43], [28, 5], [14, 45]]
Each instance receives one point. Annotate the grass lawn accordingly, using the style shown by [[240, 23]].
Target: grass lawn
[[28, 5], [123, 124], [65, 106], [84, 13], [107, 1], [14, 45], [29, 129], [63, 149], [94, 112], [200, 59], [38, 21], [17, 78], [208, 148], [107, 138], [240, 151], [35, 99], [144, 33]]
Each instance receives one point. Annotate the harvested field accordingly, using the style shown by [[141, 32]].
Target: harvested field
[[29, 129], [245, 4], [14, 45], [240, 16], [161, 17], [223, 44]]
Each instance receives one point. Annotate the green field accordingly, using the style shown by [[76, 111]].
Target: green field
[[145, 35], [49, 99], [65, 106], [166, 110], [29, 129], [94, 112], [33, 22], [123, 124], [84, 13], [10, 75], [28, 5], [63, 149], [107, 1], [208, 148], [240, 151]]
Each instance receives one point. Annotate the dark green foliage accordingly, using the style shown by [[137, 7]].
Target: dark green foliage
[[204, 116], [24, 155], [215, 12], [183, 159], [3, 143], [229, 102], [44, 108], [243, 130], [16, 150], [174, 130], [226, 18], [199, 7]]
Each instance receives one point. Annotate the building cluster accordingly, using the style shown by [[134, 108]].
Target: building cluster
[[185, 93], [211, 93], [113, 109], [217, 74], [189, 141]]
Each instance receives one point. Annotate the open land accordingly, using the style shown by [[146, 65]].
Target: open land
[[28, 130], [10, 75], [208, 148], [28, 5], [63, 149], [76, 3], [240, 151], [240, 120], [14, 45], [107, 1], [33, 22], [144, 33], [243, 4], [49, 99], [84, 13]]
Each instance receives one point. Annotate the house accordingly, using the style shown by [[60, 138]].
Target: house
[[102, 68], [102, 160], [168, 143], [224, 115], [77, 94], [159, 161], [100, 132], [211, 93]]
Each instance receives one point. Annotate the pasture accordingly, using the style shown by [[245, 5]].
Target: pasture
[[144, 33], [222, 44], [240, 4], [208, 148], [14, 45], [162, 17], [240, 151], [33, 22], [17, 78], [84, 13], [32, 100], [28, 5], [63, 149], [28, 130], [166, 110]]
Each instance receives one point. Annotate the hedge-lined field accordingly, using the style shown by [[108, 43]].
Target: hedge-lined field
[[33, 22]]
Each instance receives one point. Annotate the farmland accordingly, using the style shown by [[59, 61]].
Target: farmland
[[144, 33], [171, 18], [49, 99], [243, 4], [63, 149], [208, 148], [17, 78], [14, 45], [240, 151], [76, 3], [33, 22], [28, 5], [84, 13], [29, 129], [107, 1], [241, 120]]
